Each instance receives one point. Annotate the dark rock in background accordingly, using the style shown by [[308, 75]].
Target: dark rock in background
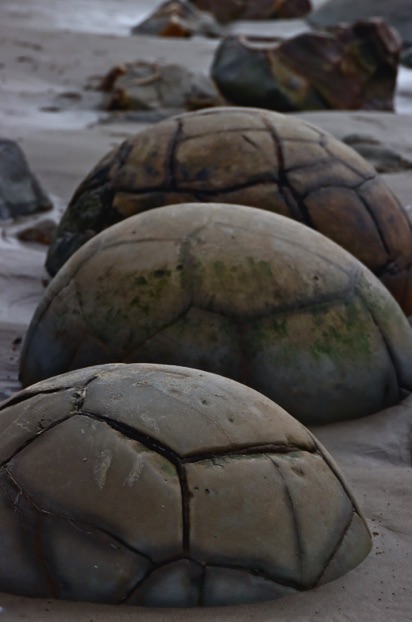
[[178, 19], [398, 13], [169, 89], [352, 68], [20, 192], [229, 10]]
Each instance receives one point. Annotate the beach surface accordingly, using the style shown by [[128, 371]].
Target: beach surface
[[50, 49]]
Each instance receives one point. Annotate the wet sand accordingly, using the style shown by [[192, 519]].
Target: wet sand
[[49, 50]]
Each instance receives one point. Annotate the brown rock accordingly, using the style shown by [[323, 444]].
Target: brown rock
[[229, 10], [42, 232], [398, 13], [351, 68], [252, 157], [168, 89], [177, 18]]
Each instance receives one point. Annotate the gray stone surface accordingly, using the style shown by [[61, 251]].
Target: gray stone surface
[[103, 505], [308, 324], [20, 192]]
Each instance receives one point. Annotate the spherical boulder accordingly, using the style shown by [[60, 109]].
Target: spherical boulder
[[253, 157], [166, 486], [234, 290]]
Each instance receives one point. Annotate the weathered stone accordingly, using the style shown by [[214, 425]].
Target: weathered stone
[[250, 157], [177, 18], [20, 192], [230, 10], [168, 89], [398, 13], [234, 290], [383, 158], [352, 68], [42, 232], [167, 487]]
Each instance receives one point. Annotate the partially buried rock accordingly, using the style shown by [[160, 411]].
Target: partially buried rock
[[168, 89], [383, 158], [230, 10], [257, 158], [41, 232], [186, 489], [352, 68], [398, 13], [234, 290], [20, 192], [178, 19]]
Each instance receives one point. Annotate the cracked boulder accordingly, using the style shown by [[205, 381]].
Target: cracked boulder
[[353, 67], [234, 290], [20, 191], [166, 486], [251, 157]]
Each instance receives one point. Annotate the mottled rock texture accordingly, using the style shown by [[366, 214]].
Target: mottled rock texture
[[352, 68], [236, 291], [252, 157], [166, 486]]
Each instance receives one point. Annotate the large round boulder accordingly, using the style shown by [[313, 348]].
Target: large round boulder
[[166, 486], [236, 291], [252, 157]]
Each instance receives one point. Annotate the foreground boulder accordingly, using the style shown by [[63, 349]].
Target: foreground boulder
[[168, 89], [352, 68], [186, 489], [178, 19], [256, 158], [230, 10], [398, 13], [20, 192]]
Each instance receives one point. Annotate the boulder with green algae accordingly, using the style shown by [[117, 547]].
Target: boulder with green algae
[[184, 489], [237, 291], [253, 157]]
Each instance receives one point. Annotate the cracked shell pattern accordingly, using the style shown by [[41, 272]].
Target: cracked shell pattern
[[233, 290], [250, 157], [160, 485]]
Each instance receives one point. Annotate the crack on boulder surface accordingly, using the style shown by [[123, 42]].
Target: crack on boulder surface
[[285, 188], [294, 517], [260, 178], [336, 549], [171, 157], [79, 524], [172, 456]]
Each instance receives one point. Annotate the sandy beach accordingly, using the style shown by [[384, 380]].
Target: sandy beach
[[49, 51]]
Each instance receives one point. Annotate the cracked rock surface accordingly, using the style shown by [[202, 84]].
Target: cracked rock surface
[[251, 157], [236, 291], [158, 485]]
